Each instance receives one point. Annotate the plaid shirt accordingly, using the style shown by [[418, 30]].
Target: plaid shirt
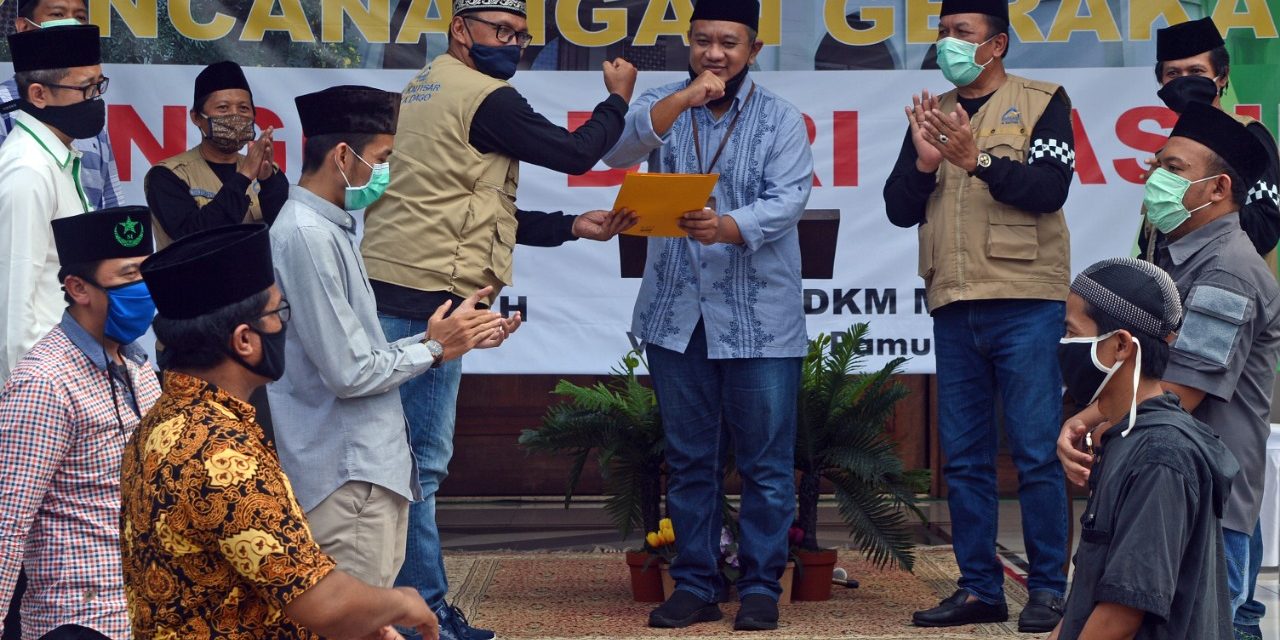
[[98, 175], [63, 429]]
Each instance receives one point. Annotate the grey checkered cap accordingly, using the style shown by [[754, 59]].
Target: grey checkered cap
[[514, 6], [1138, 294]]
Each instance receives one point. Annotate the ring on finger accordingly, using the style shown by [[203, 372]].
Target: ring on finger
[[942, 138]]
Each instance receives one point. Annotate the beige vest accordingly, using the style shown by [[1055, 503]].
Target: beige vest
[[194, 170], [447, 221], [973, 247]]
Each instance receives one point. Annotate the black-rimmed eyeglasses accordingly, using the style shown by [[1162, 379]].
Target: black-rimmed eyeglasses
[[505, 34], [91, 90]]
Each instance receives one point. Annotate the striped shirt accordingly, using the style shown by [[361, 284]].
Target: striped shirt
[[63, 427], [98, 175]]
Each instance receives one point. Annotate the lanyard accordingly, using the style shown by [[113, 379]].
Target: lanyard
[[733, 124]]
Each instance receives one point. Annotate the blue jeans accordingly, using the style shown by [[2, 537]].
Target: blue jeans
[[430, 406], [1237, 546], [1006, 348], [1251, 612], [707, 407]]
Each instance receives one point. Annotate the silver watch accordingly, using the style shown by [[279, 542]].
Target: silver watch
[[437, 352]]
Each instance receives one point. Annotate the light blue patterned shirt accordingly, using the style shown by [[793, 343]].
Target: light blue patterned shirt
[[749, 296], [98, 175]]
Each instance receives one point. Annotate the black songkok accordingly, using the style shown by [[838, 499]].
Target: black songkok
[[741, 11], [1138, 295], [993, 8], [209, 270], [56, 48], [118, 232], [348, 109], [1225, 136], [1187, 39], [218, 77]]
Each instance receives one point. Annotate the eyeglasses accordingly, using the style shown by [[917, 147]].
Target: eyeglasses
[[91, 90], [283, 310], [506, 34]]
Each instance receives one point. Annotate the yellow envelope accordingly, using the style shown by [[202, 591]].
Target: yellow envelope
[[660, 199]]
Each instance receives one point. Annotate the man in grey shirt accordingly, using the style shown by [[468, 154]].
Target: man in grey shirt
[[339, 424]]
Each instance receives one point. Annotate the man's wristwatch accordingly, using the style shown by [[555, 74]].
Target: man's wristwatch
[[983, 163], [437, 352]]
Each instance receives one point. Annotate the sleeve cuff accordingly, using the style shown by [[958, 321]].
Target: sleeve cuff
[[238, 183], [921, 181], [418, 354], [644, 130], [1183, 371], [1153, 603]]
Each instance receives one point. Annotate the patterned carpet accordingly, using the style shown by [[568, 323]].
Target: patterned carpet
[[587, 595]]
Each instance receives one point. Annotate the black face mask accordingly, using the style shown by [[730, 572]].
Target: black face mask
[[1082, 374], [80, 120], [272, 364], [1178, 93], [730, 88]]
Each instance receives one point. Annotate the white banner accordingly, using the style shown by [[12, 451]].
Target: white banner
[[576, 301]]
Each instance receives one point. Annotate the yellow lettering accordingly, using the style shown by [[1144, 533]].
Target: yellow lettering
[[1256, 16], [418, 21], [920, 26], [537, 10], [140, 16], [1021, 23], [614, 21], [839, 28], [1143, 14], [655, 22], [373, 21], [1099, 20], [262, 19], [771, 22], [188, 27]]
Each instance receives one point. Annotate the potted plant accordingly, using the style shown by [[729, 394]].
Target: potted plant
[[840, 438], [618, 424]]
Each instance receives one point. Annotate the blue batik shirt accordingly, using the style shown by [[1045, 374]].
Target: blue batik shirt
[[750, 295], [98, 175]]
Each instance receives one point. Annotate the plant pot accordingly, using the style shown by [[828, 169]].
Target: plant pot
[[646, 582], [814, 582], [669, 583]]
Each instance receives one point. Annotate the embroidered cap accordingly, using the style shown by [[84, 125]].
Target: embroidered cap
[[511, 6], [117, 232], [1137, 294]]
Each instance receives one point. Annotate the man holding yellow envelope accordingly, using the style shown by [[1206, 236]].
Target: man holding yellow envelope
[[720, 310]]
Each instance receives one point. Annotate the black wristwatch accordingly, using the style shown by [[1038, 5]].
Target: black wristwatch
[[983, 163], [437, 352]]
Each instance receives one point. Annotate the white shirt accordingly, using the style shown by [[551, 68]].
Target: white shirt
[[39, 182]]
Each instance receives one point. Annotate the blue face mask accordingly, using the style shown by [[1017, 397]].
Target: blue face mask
[[497, 62], [129, 311]]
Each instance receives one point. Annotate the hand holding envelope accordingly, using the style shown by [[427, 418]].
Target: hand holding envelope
[[661, 200]]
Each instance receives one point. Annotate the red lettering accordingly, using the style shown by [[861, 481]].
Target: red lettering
[[1129, 132], [845, 124], [1087, 166], [268, 119], [127, 129], [602, 178], [1251, 110], [812, 128]]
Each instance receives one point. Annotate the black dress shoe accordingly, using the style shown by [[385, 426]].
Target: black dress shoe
[[683, 609], [958, 610], [758, 613], [1042, 613]]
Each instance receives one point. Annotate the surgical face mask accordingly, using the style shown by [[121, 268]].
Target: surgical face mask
[[61, 22], [129, 311], [357, 198], [1163, 199], [80, 121], [1085, 376], [957, 60], [229, 133], [1178, 93]]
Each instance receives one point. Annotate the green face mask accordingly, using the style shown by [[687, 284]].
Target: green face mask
[[957, 60], [62, 22], [1163, 200], [360, 197]]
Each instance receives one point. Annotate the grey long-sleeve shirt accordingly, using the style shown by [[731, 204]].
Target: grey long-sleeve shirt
[[337, 410]]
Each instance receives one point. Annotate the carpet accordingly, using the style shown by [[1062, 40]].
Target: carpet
[[587, 595]]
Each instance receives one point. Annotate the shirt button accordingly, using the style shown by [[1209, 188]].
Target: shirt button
[[704, 299], [704, 265]]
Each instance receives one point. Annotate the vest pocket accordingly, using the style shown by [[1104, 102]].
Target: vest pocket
[[925, 266], [1011, 146], [504, 240], [1012, 234]]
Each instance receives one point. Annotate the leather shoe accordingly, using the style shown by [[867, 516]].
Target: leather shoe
[[683, 609], [1042, 613], [758, 613], [958, 610]]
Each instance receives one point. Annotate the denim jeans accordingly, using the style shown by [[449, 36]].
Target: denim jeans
[[1004, 348], [1251, 612], [1237, 545], [710, 407], [430, 406]]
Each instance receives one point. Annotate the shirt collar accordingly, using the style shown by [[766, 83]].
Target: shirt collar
[[326, 209], [187, 390], [88, 345], [44, 136], [1183, 248]]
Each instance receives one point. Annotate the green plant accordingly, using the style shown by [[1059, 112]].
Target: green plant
[[618, 423], [841, 438]]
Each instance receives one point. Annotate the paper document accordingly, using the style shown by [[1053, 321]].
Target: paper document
[[661, 199]]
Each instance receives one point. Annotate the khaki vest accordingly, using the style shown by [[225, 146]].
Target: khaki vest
[[193, 169], [447, 221], [973, 247]]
